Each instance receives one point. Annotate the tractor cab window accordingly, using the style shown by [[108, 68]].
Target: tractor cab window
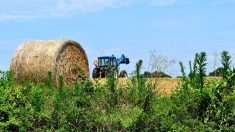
[[113, 62], [104, 62]]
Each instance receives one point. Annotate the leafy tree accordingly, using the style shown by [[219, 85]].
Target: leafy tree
[[156, 74], [217, 73]]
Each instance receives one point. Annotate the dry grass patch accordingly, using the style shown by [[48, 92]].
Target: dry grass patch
[[163, 86]]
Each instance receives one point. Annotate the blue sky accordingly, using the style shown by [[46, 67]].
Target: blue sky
[[174, 28]]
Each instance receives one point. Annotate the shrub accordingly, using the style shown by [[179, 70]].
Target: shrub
[[209, 103], [156, 74], [196, 105], [37, 99], [217, 73]]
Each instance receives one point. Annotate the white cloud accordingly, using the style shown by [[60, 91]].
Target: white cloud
[[28, 9], [168, 2]]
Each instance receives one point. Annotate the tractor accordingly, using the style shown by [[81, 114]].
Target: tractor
[[108, 66]]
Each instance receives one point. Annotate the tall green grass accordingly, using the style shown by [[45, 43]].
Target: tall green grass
[[197, 105]]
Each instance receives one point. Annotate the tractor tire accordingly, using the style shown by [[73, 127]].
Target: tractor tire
[[96, 73]]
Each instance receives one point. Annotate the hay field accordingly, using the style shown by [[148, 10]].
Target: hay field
[[164, 86]]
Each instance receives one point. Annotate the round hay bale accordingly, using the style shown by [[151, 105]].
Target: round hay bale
[[34, 59]]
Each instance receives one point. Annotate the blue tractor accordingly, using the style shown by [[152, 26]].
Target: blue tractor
[[108, 65]]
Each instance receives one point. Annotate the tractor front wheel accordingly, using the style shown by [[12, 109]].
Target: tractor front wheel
[[96, 73]]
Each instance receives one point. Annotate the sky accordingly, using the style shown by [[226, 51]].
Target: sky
[[176, 29]]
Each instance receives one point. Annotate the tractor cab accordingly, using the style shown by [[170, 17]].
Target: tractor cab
[[107, 61]]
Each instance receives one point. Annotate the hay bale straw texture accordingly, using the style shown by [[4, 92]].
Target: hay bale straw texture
[[34, 59]]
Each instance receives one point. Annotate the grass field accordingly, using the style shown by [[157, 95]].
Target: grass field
[[164, 86], [133, 104]]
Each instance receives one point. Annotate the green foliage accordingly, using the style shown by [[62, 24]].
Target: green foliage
[[112, 85], [226, 62], [201, 61], [6, 78], [140, 92], [217, 72], [197, 105], [57, 111], [156, 74], [49, 82], [37, 99], [184, 77], [212, 105], [61, 85]]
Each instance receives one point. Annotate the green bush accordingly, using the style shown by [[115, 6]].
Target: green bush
[[211, 104], [156, 74], [196, 105], [217, 72]]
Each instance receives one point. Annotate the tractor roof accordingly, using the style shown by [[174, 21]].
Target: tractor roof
[[110, 57]]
